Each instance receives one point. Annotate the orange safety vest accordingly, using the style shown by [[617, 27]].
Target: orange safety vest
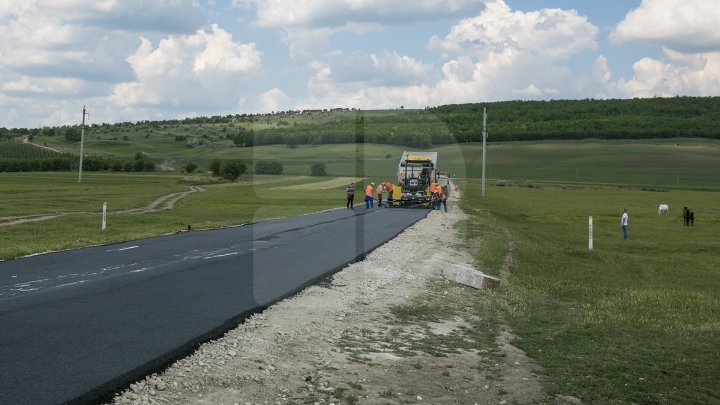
[[368, 190], [389, 188], [432, 188], [379, 189]]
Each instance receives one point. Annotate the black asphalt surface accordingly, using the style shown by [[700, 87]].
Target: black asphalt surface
[[79, 325]]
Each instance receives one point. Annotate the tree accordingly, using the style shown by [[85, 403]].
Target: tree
[[318, 169], [72, 134], [215, 167], [231, 170], [190, 167]]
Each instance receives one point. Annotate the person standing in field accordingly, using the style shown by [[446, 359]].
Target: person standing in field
[[624, 223], [350, 190], [369, 196]]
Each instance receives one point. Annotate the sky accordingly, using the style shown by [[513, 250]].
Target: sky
[[134, 60]]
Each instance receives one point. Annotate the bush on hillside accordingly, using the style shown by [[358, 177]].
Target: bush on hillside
[[318, 169], [268, 167]]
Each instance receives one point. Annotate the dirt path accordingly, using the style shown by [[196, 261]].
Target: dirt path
[[26, 139], [340, 343], [166, 202]]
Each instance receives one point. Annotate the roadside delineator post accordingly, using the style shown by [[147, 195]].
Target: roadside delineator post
[[104, 218], [590, 236]]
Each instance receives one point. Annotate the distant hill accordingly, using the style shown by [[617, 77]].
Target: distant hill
[[679, 117]]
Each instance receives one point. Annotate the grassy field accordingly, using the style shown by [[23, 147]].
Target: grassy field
[[221, 204], [633, 321]]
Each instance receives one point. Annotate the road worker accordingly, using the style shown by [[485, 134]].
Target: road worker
[[379, 193], [369, 195], [389, 188], [441, 198], [433, 186]]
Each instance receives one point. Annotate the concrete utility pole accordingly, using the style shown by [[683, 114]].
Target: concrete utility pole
[[484, 136], [82, 139]]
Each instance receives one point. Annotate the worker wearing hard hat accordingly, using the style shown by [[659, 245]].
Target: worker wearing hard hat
[[389, 188], [369, 195]]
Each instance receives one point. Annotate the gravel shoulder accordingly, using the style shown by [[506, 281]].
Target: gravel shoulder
[[343, 342]]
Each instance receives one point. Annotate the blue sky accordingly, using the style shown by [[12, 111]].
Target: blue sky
[[130, 60]]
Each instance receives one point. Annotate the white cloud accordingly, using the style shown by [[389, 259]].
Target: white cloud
[[271, 100], [678, 24], [688, 34], [554, 33], [202, 71], [77, 50], [676, 74], [496, 55]]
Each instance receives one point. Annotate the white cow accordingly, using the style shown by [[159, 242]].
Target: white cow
[[663, 209]]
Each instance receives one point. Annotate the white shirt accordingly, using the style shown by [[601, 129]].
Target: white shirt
[[624, 219]]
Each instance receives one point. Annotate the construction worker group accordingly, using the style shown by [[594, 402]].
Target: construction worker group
[[437, 194]]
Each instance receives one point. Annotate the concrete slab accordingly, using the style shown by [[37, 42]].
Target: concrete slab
[[470, 277]]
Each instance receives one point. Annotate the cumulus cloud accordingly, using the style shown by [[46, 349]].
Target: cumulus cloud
[[688, 26], [77, 49], [496, 55], [687, 32], [676, 74], [200, 71], [554, 33], [271, 100]]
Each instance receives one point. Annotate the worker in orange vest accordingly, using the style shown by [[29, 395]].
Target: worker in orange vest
[[389, 188], [440, 198], [369, 195], [379, 193], [432, 188]]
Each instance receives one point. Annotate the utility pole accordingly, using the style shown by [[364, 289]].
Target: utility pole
[[484, 137], [82, 139]]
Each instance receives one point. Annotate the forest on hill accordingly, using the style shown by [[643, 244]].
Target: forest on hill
[[677, 117]]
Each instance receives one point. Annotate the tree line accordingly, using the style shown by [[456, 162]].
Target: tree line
[[17, 157], [507, 121]]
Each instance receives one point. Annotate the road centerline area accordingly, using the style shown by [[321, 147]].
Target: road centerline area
[[107, 328]]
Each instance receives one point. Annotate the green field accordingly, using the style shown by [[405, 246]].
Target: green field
[[631, 321]]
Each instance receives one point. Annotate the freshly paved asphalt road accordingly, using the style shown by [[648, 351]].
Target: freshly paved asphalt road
[[79, 325]]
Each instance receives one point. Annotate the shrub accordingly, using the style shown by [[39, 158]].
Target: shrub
[[190, 167], [318, 169], [231, 170], [268, 167]]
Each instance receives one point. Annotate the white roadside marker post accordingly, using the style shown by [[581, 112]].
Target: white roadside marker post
[[104, 219], [590, 236]]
